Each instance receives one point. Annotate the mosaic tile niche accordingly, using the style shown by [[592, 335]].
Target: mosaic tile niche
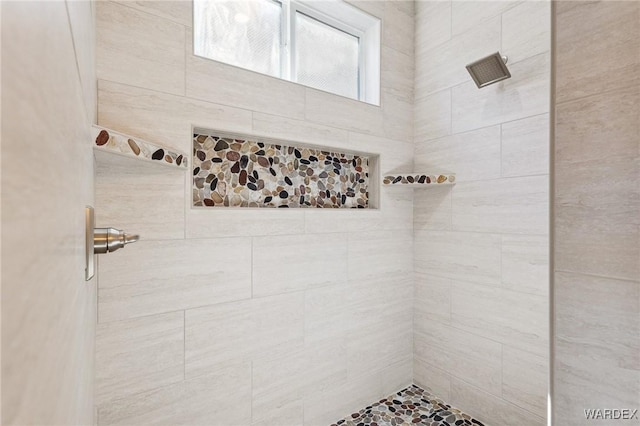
[[232, 172]]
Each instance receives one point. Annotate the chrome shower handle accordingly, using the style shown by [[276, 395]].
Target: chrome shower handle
[[108, 240]]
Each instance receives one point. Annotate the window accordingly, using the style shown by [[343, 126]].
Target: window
[[327, 45]]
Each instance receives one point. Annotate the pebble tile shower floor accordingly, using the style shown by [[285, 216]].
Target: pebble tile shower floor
[[412, 406]]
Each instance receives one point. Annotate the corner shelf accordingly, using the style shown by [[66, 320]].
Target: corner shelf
[[112, 142], [418, 180]]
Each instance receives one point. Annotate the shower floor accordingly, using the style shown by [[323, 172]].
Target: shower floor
[[412, 406]]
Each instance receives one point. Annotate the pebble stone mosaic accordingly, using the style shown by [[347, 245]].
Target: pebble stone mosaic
[[231, 172], [412, 406], [110, 141], [418, 179]]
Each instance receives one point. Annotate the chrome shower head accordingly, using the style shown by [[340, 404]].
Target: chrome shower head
[[489, 70]]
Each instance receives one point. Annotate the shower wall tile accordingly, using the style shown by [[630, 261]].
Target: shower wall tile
[[138, 355], [512, 318], [435, 379], [515, 205], [318, 367], [444, 66], [472, 155], [509, 100], [343, 113], [461, 354], [470, 15], [322, 409], [432, 299], [273, 126], [397, 28], [181, 12], [525, 263], [127, 49], [205, 223], [598, 41], [164, 118], [433, 23], [218, 398], [281, 319], [140, 281], [525, 379], [525, 147], [126, 191], [379, 254], [472, 257], [278, 266], [361, 359], [242, 331], [483, 405], [437, 216], [597, 220], [526, 31], [432, 116]]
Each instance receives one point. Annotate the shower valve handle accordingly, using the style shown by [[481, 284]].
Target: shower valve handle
[[107, 240]]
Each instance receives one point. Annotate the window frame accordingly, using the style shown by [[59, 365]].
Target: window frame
[[344, 17]]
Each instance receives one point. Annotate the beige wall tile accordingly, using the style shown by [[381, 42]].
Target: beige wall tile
[[163, 118], [378, 254], [598, 185], [139, 49], [344, 113], [513, 205], [473, 155], [432, 209], [138, 355], [462, 354], [128, 190], [161, 276], [326, 313], [512, 318], [362, 359], [432, 116], [217, 82], [232, 222], [473, 257], [525, 378], [397, 116], [48, 310], [431, 299], [525, 94], [525, 147], [433, 24], [278, 382], [526, 30], [470, 15], [242, 331], [179, 11], [328, 407], [525, 263], [396, 73], [274, 126], [444, 66], [218, 398], [595, 41], [397, 376], [397, 27], [83, 28], [283, 263], [430, 378], [483, 405]]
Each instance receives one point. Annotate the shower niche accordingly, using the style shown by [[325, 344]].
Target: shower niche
[[241, 171]]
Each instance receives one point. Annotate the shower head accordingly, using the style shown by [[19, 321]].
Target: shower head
[[489, 70]]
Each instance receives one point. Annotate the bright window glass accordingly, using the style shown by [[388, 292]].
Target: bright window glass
[[326, 58], [242, 33]]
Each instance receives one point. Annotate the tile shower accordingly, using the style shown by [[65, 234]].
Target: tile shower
[[431, 297]]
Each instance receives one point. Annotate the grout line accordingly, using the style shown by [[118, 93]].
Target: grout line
[[184, 345], [252, 266]]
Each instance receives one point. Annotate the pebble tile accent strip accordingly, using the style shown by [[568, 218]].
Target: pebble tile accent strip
[[242, 173], [412, 406], [418, 179], [111, 141]]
